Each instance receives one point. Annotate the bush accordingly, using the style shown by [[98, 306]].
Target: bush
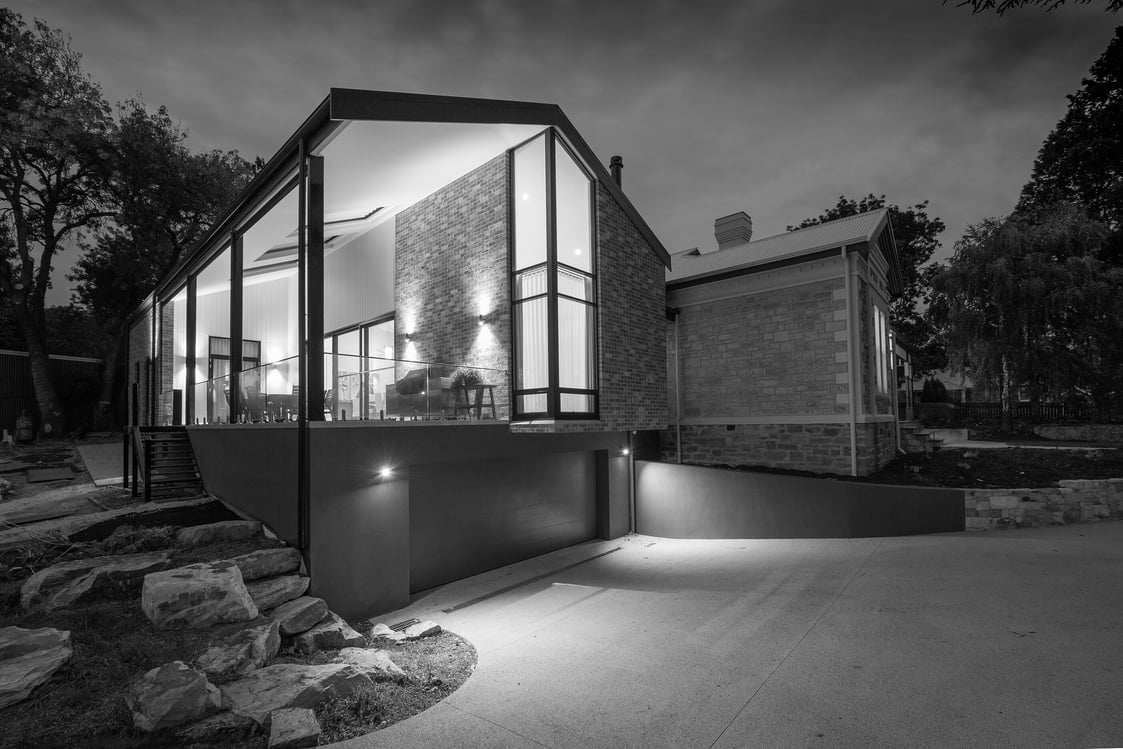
[[933, 392]]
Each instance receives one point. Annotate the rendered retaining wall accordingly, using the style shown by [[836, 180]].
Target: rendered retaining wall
[[1075, 501]]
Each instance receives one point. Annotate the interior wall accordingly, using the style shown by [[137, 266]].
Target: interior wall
[[359, 279]]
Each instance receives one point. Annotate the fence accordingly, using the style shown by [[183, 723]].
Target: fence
[[77, 381], [960, 414]]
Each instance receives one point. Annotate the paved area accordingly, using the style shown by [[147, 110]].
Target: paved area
[[960, 640], [103, 460]]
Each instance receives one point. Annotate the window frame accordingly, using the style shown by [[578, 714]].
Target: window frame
[[553, 390]]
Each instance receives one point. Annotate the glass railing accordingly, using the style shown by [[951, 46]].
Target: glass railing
[[357, 388]]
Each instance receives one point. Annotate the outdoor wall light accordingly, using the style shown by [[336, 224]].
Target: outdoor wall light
[[386, 472], [482, 320], [409, 337], [625, 451]]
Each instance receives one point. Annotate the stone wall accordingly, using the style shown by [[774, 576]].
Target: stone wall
[[1081, 432], [1076, 501], [877, 445], [820, 448], [779, 352], [451, 265]]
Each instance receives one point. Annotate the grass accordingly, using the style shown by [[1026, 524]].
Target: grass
[[83, 705]]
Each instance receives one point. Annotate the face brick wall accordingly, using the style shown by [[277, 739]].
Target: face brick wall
[[822, 448], [140, 349], [451, 265]]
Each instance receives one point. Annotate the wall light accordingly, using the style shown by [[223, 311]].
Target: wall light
[[625, 451], [409, 337], [482, 321], [386, 472]]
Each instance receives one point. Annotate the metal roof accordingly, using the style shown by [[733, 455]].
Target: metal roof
[[860, 228]]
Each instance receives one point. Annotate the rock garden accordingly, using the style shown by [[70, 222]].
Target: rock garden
[[198, 636]]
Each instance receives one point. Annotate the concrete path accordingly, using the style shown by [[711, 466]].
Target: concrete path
[[960, 640], [103, 460]]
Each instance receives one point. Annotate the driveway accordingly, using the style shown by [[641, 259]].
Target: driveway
[[988, 639]]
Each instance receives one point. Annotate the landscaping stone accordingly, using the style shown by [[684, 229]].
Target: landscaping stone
[[293, 728], [273, 591], [299, 615], [171, 695], [422, 629], [242, 650], [213, 533], [221, 728], [28, 658], [291, 685], [77, 581], [332, 633], [383, 632], [370, 660], [197, 596], [268, 562]]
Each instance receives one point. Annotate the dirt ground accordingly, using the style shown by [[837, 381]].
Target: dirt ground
[[1014, 467]]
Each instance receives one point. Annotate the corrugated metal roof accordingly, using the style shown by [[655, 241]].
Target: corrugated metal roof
[[862, 227]]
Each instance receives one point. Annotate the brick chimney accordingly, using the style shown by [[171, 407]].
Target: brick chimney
[[734, 230]]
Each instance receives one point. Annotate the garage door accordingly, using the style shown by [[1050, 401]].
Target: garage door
[[466, 518]]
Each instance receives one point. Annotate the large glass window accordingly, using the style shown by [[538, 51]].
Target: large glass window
[[212, 320], [554, 288]]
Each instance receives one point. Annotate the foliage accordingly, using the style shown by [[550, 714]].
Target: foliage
[[915, 234], [933, 392], [54, 127], [70, 329], [1080, 159], [464, 376], [1001, 6], [1026, 302]]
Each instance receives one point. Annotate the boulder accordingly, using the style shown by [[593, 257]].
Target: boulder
[[293, 728], [268, 562], [299, 615], [29, 657], [213, 533], [241, 651], [77, 581], [221, 728], [273, 591], [332, 633], [171, 695], [383, 632], [197, 596], [291, 685], [371, 661], [422, 629]]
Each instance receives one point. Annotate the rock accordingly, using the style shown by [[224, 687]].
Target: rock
[[213, 533], [171, 695], [69, 583], [299, 615], [422, 629], [197, 596], [28, 658], [221, 728], [331, 633], [383, 632], [381, 629], [268, 562], [292, 728], [242, 650], [291, 685], [273, 591], [371, 661]]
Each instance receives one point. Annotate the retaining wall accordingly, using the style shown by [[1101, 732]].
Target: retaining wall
[[1075, 501]]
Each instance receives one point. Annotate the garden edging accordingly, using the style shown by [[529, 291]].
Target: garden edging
[[1073, 501]]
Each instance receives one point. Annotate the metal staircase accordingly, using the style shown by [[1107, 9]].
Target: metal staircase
[[164, 462]]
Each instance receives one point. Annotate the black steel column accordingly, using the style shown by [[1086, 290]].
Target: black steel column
[[316, 288], [303, 481], [189, 382], [235, 326]]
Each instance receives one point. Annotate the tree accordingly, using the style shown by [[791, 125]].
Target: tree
[[1028, 303], [916, 237], [1001, 6], [53, 129], [165, 199], [1081, 160]]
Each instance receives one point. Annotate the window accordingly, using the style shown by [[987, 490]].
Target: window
[[554, 308], [881, 335]]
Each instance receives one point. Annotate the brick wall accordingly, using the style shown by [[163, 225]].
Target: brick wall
[[165, 365], [1076, 501], [821, 448], [771, 353], [140, 349], [631, 316], [451, 264]]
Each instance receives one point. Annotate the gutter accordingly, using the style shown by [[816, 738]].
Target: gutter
[[850, 368]]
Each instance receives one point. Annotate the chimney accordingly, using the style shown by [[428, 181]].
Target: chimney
[[733, 230], [616, 166]]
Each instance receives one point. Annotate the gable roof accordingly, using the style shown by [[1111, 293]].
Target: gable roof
[[862, 229], [343, 104]]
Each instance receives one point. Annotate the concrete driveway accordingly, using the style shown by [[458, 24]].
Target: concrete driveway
[[995, 639]]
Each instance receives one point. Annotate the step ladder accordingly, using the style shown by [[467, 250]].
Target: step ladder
[[164, 462]]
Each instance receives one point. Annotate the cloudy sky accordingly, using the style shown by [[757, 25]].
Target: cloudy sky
[[768, 106]]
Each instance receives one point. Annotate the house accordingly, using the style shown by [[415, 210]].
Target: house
[[418, 346], [779, 349]]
